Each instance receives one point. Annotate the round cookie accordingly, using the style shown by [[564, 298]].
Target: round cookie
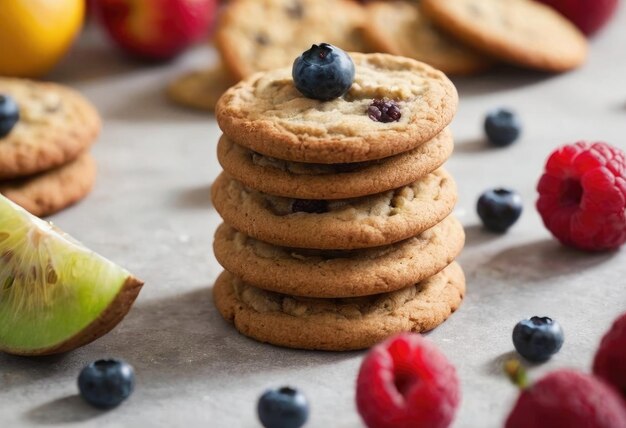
[[261, 35], [338, 324], [51, 191], [368, 221], [523, 32], [267, 114], [399, 28], [56, 125], [327, 274], [332, 181], [200, 89]]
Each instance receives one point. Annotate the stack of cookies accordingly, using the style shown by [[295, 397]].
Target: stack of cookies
[[338, 229], [45, 163]]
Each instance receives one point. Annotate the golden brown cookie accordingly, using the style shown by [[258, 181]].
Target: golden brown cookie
[[51, 191], [56, 125], [332, 181], [338, 324], [315, 273], [399, 28], [261, 35], [368, 221], [200, 89], [522, 32], [267, 114]]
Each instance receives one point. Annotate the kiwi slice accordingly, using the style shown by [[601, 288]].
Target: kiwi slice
[[55, 294]]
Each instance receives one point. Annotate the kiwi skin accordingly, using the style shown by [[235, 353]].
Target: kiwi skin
[[108, 319]]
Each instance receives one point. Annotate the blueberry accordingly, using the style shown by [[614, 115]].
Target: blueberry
[[283, 408], [499, 209], [502, 127], [9, 114], [106, 383], [538, 338], [324, 72]]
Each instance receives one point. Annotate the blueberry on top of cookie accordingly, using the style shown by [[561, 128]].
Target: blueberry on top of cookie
[[324, 72], [9, 114]]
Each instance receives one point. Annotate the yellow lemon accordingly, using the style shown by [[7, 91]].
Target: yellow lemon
[[35, 34]]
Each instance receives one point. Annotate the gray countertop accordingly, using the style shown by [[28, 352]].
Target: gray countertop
[[151, 212]]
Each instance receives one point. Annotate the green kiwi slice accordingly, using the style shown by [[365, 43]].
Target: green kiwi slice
[[55, 294]]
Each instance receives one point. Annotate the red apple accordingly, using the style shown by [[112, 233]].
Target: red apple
[[588, 15], [156, 29]]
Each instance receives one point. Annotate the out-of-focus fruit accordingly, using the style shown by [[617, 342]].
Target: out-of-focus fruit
[[567, 399], [156, 29], [588, 15], [610, 361], [9, 114], [502, 127], [35, 34], [55, 294], [538, 338]]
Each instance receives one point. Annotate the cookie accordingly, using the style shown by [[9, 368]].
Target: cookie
[[200, 89], [338, 324], [332, 181], [261, 35], [522, 32], [56, 125], [368, 221], [51, 191], [315, 273], [399, 28], [267, 114]]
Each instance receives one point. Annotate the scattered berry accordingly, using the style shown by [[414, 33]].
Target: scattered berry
[[283, 408], [9, 114], [309, 206], [538, 338], [566, 399], [384, 111], [499, 209], [582, 196], [407, 382], [502, 127], [324, 72], [610, 361], [106, 383]]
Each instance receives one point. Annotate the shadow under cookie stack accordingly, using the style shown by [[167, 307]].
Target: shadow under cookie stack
[[337, 227]]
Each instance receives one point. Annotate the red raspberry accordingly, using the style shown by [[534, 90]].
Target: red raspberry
[[566, 399], [582, 196], [407, 382], [610, 361]]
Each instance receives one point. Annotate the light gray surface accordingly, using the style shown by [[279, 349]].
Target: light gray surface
[[150, 211]]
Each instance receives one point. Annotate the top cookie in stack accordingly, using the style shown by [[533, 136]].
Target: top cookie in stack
[[46, 131], [337, 228]]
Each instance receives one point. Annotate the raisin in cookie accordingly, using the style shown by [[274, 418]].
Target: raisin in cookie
[[56, 125], [329, 274], [338, 324], [332, 181], [267, 114], [51, 191], [399, 28], [260, 35], [522, 32], [369, 221]]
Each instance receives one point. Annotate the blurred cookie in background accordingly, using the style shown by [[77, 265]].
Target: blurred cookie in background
[[200, 89]]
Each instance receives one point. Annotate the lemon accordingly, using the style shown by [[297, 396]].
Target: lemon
[[35, 34]]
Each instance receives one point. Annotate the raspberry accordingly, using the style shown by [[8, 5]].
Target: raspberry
[[384, 111], [566, 398], [582, 196], [407, 382], [610, 361]]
